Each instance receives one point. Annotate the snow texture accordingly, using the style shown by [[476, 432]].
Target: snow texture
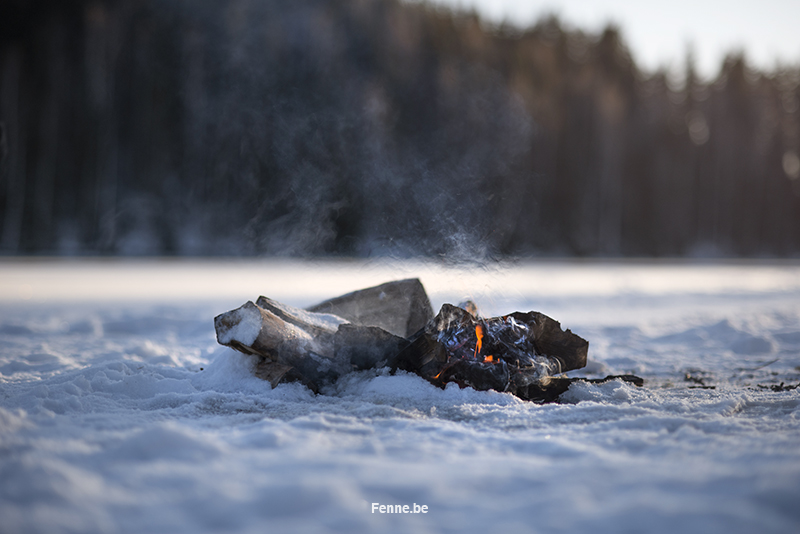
[[123, 414]]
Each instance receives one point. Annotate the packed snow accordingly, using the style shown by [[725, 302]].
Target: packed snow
[[119, 412]]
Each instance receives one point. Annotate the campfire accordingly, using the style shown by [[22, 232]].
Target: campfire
[[392, 325]]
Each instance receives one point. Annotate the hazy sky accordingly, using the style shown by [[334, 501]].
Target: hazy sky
[[659, 34]]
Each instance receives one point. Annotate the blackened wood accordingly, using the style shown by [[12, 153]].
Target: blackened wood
[[526, 349], [543, 391], [272, 372], [549, 390], [630, 379], [425, 355], [277, 373], [401, 307], [478, 376], [367, 347], [549, 339]]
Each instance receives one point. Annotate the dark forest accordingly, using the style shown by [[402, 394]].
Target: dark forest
[[376, 127]]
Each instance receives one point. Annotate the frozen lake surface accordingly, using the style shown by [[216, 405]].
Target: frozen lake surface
[[120, 413]]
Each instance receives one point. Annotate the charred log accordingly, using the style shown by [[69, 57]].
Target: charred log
[[519, 353], [275, 373], [367, 347], [549, 390]]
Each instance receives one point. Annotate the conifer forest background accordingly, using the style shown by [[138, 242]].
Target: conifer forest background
[[377, 127]]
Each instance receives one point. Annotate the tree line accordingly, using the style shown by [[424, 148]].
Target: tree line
[[377, 127]]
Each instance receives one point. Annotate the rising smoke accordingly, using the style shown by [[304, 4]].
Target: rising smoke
[[374, 127]]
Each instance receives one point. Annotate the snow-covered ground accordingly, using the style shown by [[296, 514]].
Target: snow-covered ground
[[120, 413]]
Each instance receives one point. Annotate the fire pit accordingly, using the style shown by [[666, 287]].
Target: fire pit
[[392, 325]]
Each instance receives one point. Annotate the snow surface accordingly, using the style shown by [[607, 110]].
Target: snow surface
[[120, 413]]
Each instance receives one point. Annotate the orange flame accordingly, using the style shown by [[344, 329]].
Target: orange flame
[[489, 359], [479, 344]]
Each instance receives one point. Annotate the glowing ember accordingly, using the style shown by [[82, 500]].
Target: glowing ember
[[489, 359]]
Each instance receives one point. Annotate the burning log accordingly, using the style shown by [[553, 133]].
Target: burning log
[[519, 353]]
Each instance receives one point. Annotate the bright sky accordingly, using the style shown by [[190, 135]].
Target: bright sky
[[660, 33]]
